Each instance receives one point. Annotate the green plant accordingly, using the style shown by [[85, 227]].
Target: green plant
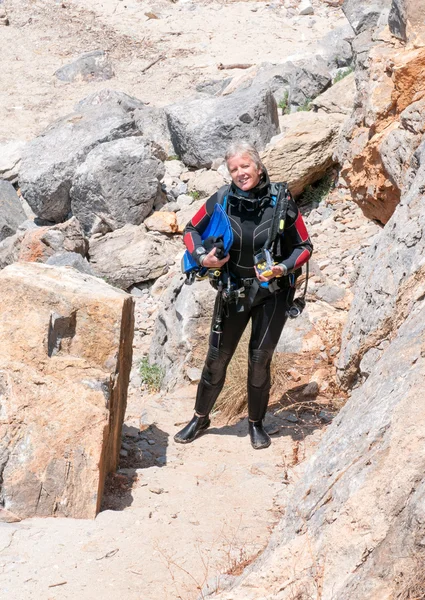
[[173, 157], [342, 74], [315, 193], [151, 375], [195, 195], [306, 106], [283, 104]]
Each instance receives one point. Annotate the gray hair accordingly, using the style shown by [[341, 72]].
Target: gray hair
[[239, 148]]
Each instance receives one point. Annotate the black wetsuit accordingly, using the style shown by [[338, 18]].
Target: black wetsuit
[[250, 215]]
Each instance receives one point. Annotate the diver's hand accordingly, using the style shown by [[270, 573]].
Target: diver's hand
[[277, 271], [212, 262]]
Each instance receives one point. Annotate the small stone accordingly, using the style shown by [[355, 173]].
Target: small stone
[[272, 430], [194, 374], [123, 453], [294, 374], [158, 490], [125, 446], [151, 442], [291, 418], [305, 8]]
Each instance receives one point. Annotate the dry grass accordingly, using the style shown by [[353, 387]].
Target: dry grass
[[413, 587]]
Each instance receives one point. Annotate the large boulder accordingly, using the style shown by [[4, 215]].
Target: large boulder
[[66, 343], [11, 212], [91, 66], [118, 183], [407, 20], [202, 128], [132, 255], [153, 125], [50, 160], [303, 153]]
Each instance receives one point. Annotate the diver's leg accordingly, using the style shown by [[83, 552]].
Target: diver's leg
[[214, 371], [268, 320]]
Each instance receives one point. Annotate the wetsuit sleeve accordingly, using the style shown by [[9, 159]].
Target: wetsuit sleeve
[[296, 234], [197, 225]]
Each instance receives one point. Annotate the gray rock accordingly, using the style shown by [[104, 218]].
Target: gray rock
[[131, 255], [50, 160], [201, 129], [397, 19], [213, 87], [10, 159], [309, 79], [112, 97], [366, 14], [331, 294], [305, 8], [117, 183], [153, 125], [11, 212], [71, 259], [367, 469], [182, 327], [336, 47], [91, 66], [396, 151]]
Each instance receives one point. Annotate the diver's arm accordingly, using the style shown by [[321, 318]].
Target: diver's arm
[[297, 233], [196, 226]]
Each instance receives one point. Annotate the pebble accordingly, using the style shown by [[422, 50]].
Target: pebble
[[291, 418], [151, 442], [158, 490]]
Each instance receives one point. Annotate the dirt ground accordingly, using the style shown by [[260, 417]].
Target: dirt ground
[[175, 517], [192, 37]]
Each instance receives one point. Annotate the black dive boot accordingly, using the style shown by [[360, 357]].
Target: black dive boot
[[259, 437], [192, 429]]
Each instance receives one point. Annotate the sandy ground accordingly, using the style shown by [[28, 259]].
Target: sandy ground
[[192, 514], [193, 37]]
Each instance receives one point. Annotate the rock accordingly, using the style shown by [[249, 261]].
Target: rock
[[390, 282], [194, 374], [11, 212], [71, 259], [184, 200], [113, 98], [174, 168], [186, 213], [131, 255], [153, 125], [304, 152], [201, 129], [182, 328], [10, 159], [336, 47], [305, 8], [91, 66], [337, 99], [49, 161], [308, 80], [163, 222], [213, 87], [406, 20], [37, 245], [206, 183], [117, 183], [359, 502], [66, 343], [366, 14]]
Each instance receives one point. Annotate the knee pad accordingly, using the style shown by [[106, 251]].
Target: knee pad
[[259, 367], [215, 366]]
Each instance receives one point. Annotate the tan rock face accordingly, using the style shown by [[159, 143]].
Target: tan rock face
[[396, 80], [304, 152], [66, 343]]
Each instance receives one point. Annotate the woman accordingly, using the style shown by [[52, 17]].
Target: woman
[[266, 298]]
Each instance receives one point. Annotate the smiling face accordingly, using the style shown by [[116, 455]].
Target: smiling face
[[243, 171]]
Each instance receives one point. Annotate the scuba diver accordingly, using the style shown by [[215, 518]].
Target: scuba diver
[[255, 280]]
